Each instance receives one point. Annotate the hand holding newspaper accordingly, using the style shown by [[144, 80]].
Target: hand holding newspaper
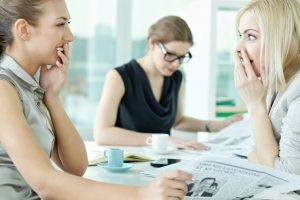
[[226, 179]]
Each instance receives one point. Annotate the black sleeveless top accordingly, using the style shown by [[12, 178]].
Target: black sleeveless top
[[138, 109]]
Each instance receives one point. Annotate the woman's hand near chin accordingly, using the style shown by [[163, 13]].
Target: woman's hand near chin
[[52, 79], [252, 89]]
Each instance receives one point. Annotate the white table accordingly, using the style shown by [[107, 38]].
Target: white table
[[134, 177]]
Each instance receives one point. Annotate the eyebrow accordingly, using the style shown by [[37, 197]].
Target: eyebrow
[[64, 18], [247, 30]]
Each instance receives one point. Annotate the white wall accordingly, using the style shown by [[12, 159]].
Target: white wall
[[200, 75]]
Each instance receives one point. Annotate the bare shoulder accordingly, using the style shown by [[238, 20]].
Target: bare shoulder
[[9, 101], [114, 81], [11, 108], [8, 94], [113, 75]]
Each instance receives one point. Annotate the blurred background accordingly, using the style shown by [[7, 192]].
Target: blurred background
[[110, 33]]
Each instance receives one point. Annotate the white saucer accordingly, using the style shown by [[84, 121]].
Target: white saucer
[[167, 151], [125, 167]]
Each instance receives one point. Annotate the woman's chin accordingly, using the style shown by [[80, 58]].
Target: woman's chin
[[168, 73]]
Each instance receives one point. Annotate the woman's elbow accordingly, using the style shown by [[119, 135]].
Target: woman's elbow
[[80, 169], [99, 136]]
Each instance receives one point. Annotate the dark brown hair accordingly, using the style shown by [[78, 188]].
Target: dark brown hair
[[170, 28], [10, 12]]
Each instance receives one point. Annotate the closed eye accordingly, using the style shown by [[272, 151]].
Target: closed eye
[[63, 24]]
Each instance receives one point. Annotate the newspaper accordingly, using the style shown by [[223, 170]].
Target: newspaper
[[234, 140], [232, 179]]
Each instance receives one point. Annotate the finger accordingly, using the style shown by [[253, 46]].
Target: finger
[[237, 116], [237, 59], [239, 68], [178, 185], [65, 62], [234, 118], [248, 66], [63, 58], [174, 198], [58, 64], [197, 146], [67, 50], [192, 145], [176, 194], [178, 174]]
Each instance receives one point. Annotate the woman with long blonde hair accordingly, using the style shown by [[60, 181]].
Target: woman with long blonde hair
[[267, 65]]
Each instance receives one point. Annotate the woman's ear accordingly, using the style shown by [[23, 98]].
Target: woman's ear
[[22, 29], [151, 44]]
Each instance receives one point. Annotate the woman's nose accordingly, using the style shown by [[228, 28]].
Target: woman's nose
[[68, 35], [176, 63]]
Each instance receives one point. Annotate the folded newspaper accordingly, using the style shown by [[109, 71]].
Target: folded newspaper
[[97, 157], [232, 179]]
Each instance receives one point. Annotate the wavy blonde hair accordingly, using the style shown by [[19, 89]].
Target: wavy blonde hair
[[279, 23]]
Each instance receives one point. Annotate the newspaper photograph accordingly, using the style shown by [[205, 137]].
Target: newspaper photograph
[[223, 179]]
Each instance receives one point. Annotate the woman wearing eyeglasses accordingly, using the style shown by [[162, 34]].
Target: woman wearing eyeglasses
[[145, 96]]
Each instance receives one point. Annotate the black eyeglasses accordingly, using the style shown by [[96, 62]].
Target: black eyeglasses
[[171, 57]]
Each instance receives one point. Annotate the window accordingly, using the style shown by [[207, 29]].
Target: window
[[110, 33], [92, 55], [226, 42], [227, 97]]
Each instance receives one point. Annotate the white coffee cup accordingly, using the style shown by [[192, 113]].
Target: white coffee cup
[[159, 142]]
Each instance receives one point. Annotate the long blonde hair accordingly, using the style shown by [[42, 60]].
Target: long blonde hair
[[279, 23]]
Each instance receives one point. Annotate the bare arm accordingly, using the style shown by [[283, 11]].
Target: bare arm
[[69, 152], [253, 90], [105, 131], [34, 165], [266, 147], [70, 159]]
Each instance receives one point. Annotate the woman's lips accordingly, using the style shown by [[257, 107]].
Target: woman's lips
[[170, 70]]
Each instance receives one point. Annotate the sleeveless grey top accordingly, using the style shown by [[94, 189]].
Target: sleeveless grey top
[[12, 184]]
